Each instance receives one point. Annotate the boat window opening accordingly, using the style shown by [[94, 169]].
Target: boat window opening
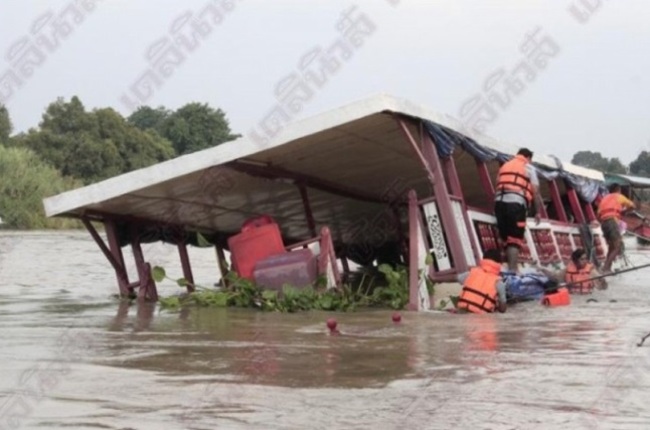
[[474, 191]]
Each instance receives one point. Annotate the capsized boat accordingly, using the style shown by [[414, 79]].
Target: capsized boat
[[380, 180]]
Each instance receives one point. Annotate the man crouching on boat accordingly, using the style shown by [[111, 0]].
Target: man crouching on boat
[[483, 289], [578, 274]]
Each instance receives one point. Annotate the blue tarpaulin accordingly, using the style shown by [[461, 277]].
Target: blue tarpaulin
[[446, 140], [524, 287]]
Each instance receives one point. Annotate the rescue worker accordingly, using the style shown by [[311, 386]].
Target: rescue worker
[[517, 192], [578, 273], [610, 209], [483, 290]]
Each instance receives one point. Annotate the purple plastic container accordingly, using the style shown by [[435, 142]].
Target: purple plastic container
[[298, 269]]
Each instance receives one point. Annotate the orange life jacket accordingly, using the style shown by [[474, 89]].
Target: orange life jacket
[[479, 293], [610, 207], [573, 274], [513, 178], [560, 297]]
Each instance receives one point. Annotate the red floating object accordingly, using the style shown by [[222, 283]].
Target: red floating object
[[259, 238], [559, 298]]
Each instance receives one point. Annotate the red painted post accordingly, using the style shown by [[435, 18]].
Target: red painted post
[[416, 148], [308, 213], [486, 182], [325, 232], [147, 289], [457, 191], [454, 183], [327, 256], [414, 219], [589, 211], [113, 255], [400, 233], [116, 251], [185, 264], [137, 251], [557, 201], [574, 201], [542, 210], [444, 205]]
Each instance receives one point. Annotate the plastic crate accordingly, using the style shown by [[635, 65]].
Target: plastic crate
[[257, 241], [298, 269]]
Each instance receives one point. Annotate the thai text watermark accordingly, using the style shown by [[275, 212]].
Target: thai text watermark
[[46, 35], [583, 10], [315, 69], [186, 33], [503, 85], [39, 380]]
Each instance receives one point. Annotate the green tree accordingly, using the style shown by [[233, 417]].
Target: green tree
[[94, 145], [148, 118], [615, 166], [81, 155], [63, 117], [26, 180], [592, 160], [6, 126], [137, 148], [197, 126], [641, 166]]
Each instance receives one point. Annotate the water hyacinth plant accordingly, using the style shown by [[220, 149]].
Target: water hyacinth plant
[[365, 289]]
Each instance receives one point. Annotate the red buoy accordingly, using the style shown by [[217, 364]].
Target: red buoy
[[331, 324], [397, 317]]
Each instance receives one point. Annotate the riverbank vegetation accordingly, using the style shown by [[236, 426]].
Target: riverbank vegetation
[[26, 179], [73, 146]]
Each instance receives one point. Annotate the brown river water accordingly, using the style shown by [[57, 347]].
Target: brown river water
[[72, 356]]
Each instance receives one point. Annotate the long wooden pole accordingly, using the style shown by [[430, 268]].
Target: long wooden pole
[[606, 275]]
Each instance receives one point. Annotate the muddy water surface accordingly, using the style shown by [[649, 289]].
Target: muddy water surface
[[71, 356]]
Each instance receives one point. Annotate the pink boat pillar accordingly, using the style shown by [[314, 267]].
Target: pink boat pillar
[[419, 299]]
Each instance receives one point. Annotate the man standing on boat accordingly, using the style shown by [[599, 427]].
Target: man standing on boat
[[517, 190], [610, 209]]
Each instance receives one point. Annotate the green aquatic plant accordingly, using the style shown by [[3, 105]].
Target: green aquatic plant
[[444, 302], [396, 293], [244, 293]]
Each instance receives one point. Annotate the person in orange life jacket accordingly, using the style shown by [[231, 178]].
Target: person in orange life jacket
[[517, 191], [610, 209], [577, 271], [483, 289]]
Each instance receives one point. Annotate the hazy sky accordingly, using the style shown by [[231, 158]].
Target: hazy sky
[[592, 94]]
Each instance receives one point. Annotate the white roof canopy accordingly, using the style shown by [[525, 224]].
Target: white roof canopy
[[348, 159]]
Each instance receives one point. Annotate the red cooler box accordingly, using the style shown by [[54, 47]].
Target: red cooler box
[[257, 241], [298, 269]]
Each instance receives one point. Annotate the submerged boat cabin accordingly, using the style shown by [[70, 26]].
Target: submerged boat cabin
[[379, 180]]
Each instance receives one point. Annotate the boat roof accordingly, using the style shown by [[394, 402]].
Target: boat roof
[[347, 158], [634, 181]]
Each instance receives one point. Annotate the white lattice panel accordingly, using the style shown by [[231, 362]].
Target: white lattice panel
[[434, 229]]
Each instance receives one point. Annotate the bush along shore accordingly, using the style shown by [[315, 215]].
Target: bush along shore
[[381, 287]]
